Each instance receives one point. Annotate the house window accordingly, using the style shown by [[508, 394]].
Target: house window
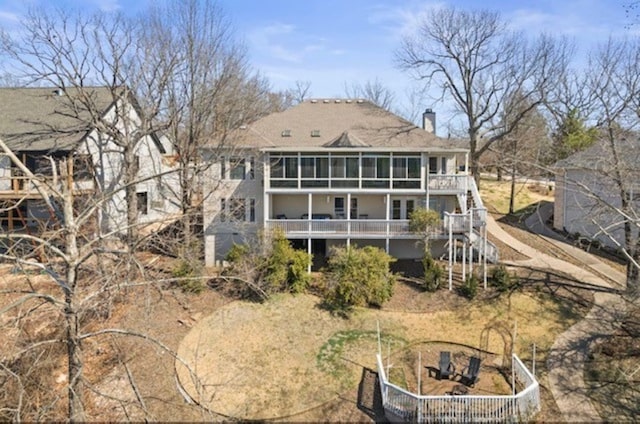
[[315, 133], [396, 209], [443, 168], [237, 168], [291, 167], [142, 202], [410, 208], [353, 210], [338, 207], [406, 172], [375, 171], [433, 165], [223, 168], [237, 209], [223, 210], [252, 210]]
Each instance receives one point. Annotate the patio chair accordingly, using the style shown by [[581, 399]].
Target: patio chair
[[445, 368], [469, 375]]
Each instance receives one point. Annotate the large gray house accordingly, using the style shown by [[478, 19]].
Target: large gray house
[[331, 172]]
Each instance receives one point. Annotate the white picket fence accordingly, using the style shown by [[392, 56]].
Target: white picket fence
[[403, 406]]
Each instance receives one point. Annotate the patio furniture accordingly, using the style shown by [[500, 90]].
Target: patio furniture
[[469, 375], [445, 366]]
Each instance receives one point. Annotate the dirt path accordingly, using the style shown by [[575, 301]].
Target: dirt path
[[565, 363]]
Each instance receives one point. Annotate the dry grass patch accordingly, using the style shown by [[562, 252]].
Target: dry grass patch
[[289, 355], [496, 194]]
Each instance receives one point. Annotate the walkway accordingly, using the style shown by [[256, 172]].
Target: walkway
[[565, 363]]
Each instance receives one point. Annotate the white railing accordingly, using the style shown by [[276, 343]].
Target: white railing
[[400, 404], [460, 221], [446, 182], [353, 227]]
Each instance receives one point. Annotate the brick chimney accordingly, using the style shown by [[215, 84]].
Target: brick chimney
[[429, 121]]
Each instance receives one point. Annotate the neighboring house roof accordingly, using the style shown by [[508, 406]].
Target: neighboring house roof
[[599, 156], [336, 123], [42, 119]]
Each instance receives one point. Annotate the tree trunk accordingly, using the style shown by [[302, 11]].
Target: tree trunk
[[75, 362], [513, 189], [74, 350]]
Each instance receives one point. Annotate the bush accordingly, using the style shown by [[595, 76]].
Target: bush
[[501, 279], [433, 272], [188, 277], [268, 266], [358, 277], [469, 288], [286, 268]]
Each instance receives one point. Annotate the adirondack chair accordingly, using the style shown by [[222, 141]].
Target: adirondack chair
[[469, 375], [445, 368]]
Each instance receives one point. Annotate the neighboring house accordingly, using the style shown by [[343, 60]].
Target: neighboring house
[[339, 172], [41, 126], [588, 198]]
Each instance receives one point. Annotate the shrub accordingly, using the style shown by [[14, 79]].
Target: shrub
[[268, 266], [358, 277], [286, 267], [236, 253], [469, 288], [501, 279], [433, 272], [188, 277]]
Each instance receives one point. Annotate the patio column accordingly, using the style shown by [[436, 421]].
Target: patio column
[[310, 253], [451, 247], [470, 241]]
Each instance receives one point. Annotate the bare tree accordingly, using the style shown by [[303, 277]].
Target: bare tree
[[602, 179], [374, 91], [300, 92], [521, 151], [471, 58], [74, 54], [211, 93]]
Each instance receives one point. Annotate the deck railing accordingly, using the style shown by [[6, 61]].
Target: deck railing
[[343, 227], [400, 404]]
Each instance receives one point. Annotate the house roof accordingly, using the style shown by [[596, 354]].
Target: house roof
[[337, 124], [43, 119], [599, 156]]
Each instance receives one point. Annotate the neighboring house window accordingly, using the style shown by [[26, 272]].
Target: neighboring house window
[[223, 209], [136, 163], [223, 168], [252, 210], [252, 167], [143, 202], [237, 168], [82, 167]]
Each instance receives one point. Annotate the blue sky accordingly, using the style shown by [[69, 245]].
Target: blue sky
[[336, 42]]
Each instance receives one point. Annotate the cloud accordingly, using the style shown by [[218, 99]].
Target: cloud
[[108, 5], [9, 16], [284, 42]]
